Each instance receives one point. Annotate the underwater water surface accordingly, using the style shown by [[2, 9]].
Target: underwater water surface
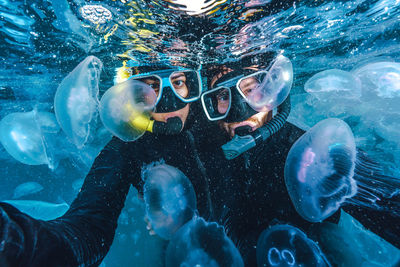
[[349, 45]]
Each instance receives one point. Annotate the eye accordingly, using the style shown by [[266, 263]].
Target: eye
[[248, 91], [179, 83], [223, 97]]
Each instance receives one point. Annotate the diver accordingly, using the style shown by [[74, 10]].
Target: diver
[[248, 147], [84, 234]]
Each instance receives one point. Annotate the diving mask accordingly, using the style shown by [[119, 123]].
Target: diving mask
[[240, 96], [262, 90], [126, 107], [174, 88]]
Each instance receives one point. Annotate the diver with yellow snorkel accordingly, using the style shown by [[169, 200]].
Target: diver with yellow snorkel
[[85, 233]]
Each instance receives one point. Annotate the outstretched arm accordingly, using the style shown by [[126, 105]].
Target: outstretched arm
[[84, 234]]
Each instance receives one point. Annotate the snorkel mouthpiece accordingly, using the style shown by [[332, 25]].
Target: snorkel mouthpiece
[[142, 122], [240, 144]]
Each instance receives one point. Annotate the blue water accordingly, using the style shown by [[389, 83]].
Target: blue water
[[42, 41]]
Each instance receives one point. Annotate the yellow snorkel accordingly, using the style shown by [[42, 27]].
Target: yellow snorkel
[[138, 119], [141, 121]]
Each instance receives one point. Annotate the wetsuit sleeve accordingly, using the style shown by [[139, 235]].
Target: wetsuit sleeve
[[84, 234]]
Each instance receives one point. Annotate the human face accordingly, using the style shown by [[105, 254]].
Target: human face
[[255, 121], [163, 117], [248, 87], [178, 81]]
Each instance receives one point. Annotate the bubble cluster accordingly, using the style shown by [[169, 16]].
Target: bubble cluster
[[96, 14]]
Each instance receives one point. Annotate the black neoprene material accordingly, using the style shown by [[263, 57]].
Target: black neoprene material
[[84, 234], [171, 127], [169, 102]]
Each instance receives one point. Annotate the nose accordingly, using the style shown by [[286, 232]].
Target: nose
[[169, 102], [240, 110]]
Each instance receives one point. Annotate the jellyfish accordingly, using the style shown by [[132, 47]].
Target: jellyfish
[[333, 83], [76, 100], [273, 86], [30, 136], [379, 80], [125, 107], [170, 200], [324, 171], [40, 210], [201, 243], [285, 245], [27, 189]]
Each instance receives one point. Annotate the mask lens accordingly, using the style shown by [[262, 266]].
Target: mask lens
[[217, 102], [186, 84], [153, 81], [252, 87]]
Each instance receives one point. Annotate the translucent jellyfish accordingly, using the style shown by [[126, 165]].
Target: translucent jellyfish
[[27, 189], [23, 136], [285, 245], [273, 86], [133, 244], [201, 243], [39, 209], [324, 171], [333, 82], [76, 100], [169, 197], [348, 243], [124, 109], [77, 184], [380, 79]]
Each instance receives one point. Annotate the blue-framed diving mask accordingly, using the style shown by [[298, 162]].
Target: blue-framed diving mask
[[233, 100], [239, 95], [175, 87], [261, 90]]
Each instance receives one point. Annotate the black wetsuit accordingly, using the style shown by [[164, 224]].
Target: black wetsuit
[[249, 193], [85, 233]]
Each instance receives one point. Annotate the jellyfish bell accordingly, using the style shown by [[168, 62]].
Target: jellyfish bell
[[285, 245], [76, 101], [170, 200], [125, 107], [29, 136], [324, 171], [201, 243], [272, 86]]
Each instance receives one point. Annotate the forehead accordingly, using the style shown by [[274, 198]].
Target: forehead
[[226, 76]]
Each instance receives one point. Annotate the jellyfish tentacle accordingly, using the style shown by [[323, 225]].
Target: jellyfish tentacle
[[369, 172], [378, 189]]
